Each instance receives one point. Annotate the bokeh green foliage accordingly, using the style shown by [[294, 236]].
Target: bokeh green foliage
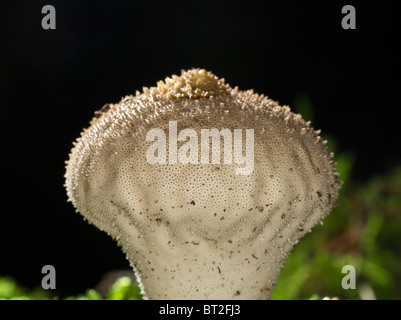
[[11, 290], [364, 231], [122, 289]]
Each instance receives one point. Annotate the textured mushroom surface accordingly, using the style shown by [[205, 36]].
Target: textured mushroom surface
[[195, 230]]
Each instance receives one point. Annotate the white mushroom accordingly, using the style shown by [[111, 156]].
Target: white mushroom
[[196, 229]]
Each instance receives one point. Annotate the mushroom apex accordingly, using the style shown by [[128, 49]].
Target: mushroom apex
[[191, 84]]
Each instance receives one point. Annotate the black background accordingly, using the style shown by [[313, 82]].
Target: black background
[[52, 81]]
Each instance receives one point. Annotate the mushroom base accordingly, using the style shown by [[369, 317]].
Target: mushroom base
[[202, 270]]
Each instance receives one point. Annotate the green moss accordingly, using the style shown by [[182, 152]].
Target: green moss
[[122, 289]]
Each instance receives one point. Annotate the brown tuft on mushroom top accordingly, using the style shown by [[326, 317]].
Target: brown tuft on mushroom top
[[205, 187], [192, 84]]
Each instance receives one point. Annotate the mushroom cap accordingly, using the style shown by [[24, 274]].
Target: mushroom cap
[[202, 228]]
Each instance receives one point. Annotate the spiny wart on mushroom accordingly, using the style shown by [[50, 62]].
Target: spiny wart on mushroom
[[191, 231]]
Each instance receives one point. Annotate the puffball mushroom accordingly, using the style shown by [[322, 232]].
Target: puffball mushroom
[[196, 229]]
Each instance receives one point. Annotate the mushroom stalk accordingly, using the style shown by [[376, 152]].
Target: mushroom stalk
[[206, 188], [205, 270]]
